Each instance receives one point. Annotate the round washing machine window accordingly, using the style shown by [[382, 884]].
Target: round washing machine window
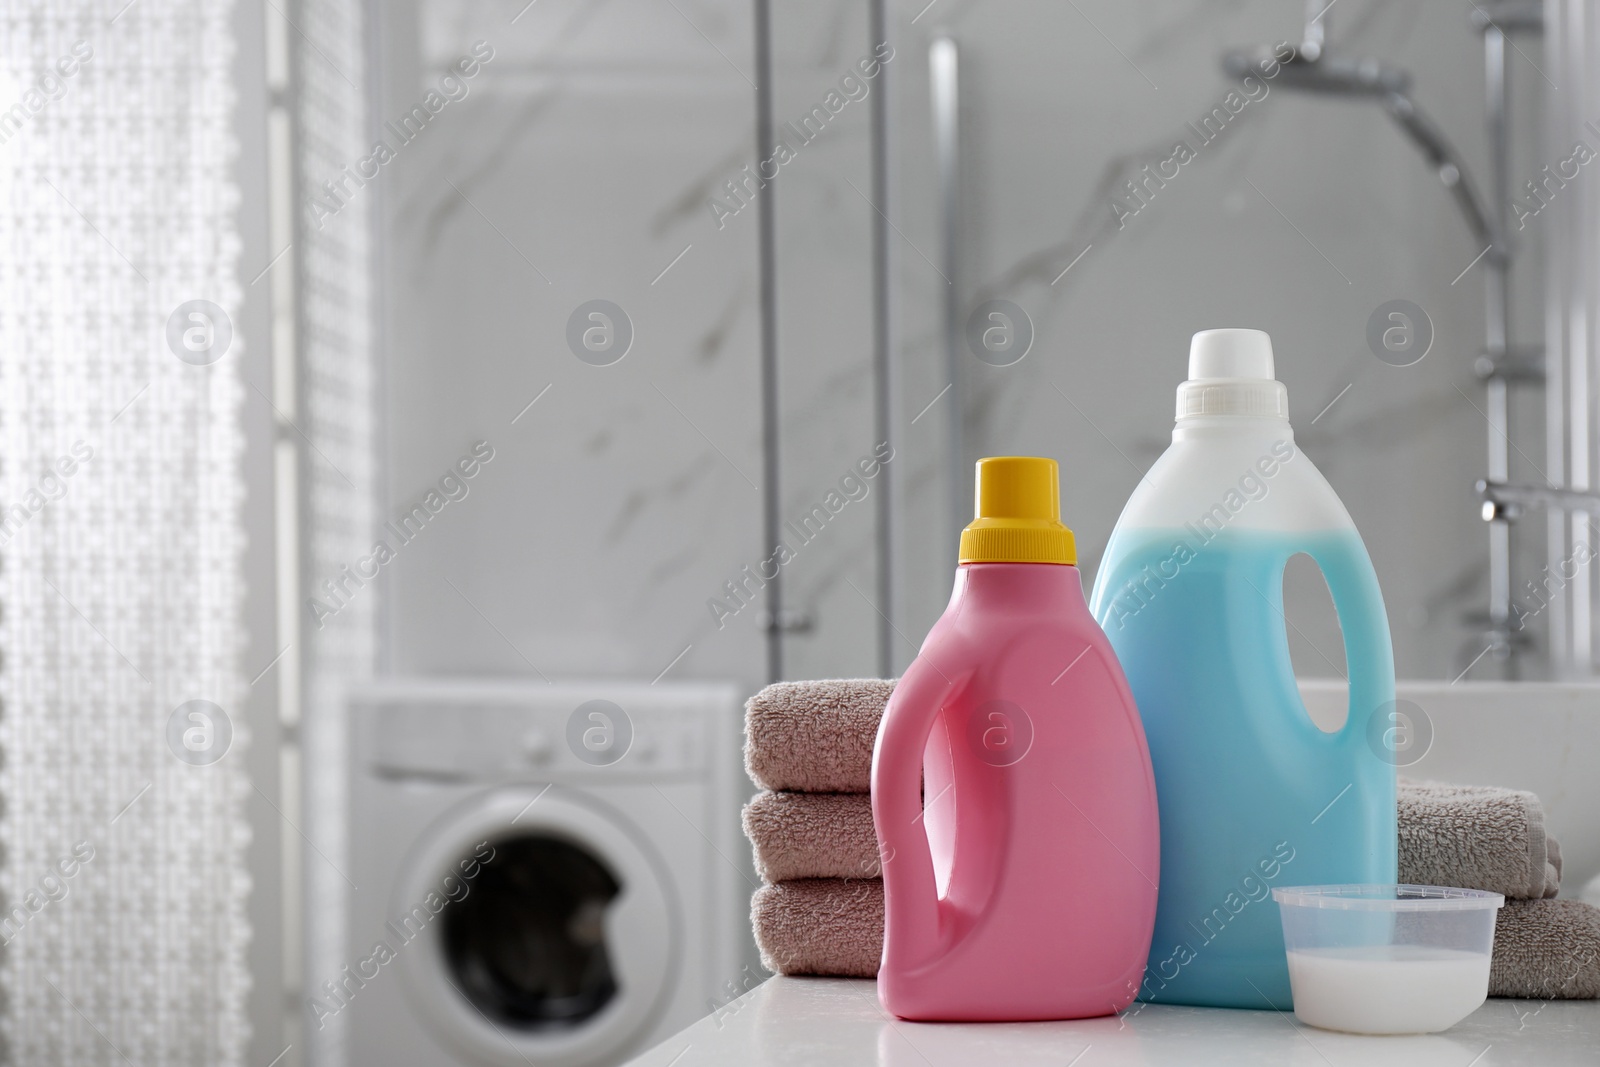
[[555, 941], [528, 945]]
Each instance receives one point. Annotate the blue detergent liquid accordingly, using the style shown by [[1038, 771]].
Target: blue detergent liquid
[[1252, 793]]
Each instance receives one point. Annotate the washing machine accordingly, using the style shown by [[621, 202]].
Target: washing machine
[[546, 874]]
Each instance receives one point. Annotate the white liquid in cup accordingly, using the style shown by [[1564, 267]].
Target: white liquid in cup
[[1387, 989]]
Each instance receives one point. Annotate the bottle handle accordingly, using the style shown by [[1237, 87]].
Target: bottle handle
[[1368, 653], [912, 934]]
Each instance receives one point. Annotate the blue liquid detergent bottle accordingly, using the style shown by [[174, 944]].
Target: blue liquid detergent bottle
[[1252, 793]]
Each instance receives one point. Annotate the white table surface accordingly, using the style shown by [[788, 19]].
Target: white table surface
[[837, 1022]]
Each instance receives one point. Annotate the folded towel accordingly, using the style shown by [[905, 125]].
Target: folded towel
[[814, 737], [1543, 949], [817, 737], [824, 914], [822, 835], [820, 926], [812, 835], [1548, 949], [1479, 837]]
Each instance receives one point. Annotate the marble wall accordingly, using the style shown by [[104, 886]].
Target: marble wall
[[580, 166], [576, 169]]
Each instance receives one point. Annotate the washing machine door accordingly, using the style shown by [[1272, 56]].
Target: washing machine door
[[555, 935]]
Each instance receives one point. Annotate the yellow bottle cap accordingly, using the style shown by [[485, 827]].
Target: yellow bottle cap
[[1018, 514]]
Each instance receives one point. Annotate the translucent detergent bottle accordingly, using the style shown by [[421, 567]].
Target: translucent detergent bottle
[[1011, 787], [1253, 794]]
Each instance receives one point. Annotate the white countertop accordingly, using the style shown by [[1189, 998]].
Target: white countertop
[[837, 1022]]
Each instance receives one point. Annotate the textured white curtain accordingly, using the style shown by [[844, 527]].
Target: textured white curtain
[[120, 591]]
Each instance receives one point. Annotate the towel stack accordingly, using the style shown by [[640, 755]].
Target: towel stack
[[1481, 837], [809, 747]]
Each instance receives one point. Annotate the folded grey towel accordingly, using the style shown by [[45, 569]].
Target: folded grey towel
[[1547, 949], [814, 737], [1478, 837], [812, 835], [820, 926]]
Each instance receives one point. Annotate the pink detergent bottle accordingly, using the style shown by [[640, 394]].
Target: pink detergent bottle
[[1011, 786]]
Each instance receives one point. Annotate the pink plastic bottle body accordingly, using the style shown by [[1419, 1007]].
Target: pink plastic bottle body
[[1027, 888]]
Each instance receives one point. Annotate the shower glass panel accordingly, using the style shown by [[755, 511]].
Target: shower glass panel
[[826, 79], [1075, 189]]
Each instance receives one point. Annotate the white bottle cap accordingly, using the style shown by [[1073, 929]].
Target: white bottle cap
[[1230, 354], [1231, 373]]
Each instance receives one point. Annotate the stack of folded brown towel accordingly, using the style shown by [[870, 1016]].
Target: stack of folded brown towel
[[809, 747]]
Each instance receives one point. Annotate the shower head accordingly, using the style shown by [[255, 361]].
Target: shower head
[[1332, 75], [1447, 164], [1310, 69]]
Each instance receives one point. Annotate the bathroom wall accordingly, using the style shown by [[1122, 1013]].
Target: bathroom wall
[[625, 497], [577, 168], [1302, 218]]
